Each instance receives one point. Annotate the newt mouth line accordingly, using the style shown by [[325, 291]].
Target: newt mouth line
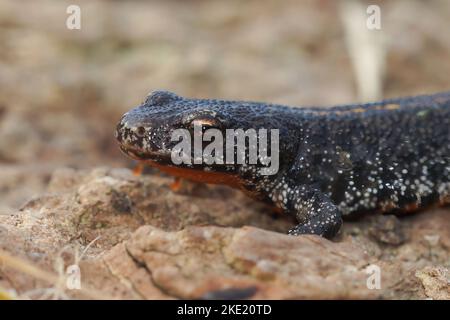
[[148, 155]]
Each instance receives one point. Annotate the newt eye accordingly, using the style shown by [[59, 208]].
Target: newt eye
[[140, 132], [206, 122]]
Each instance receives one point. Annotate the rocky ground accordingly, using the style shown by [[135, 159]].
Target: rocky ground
[[212, 242], [68, 197]]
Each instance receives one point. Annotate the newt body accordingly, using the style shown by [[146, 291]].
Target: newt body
[[388, 156]]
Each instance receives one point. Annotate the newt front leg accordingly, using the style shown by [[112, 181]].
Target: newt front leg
[[314, 211]]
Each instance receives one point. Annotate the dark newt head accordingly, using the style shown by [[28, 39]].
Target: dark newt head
[[145, 132], [151, 131]]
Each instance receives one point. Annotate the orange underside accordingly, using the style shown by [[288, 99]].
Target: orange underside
[[390, 106], [199, 176]]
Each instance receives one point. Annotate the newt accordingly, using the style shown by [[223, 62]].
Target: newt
[[391, 156]]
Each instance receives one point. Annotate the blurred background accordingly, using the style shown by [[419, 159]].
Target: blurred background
[[62, 91]]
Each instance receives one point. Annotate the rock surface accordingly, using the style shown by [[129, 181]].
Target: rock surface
[[211, 242]]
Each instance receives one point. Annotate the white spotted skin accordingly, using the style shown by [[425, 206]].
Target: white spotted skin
[[388, 156], [366, 163]]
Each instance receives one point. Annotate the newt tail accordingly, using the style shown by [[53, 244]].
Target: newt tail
[[388, 156]]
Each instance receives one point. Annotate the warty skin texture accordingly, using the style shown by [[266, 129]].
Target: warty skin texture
[[389, 156]]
